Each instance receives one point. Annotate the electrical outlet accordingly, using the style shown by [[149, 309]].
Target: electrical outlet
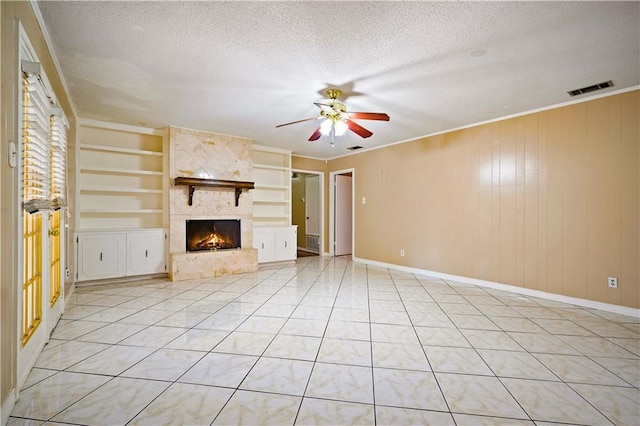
[[401, 252], [612, 282], [67, 273]]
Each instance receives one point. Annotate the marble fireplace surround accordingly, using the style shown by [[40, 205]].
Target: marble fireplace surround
[[205, 155]]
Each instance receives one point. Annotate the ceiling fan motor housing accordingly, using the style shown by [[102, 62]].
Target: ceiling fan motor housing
[[334, 94]]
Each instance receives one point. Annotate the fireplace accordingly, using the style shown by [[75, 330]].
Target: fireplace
[[213, 234]]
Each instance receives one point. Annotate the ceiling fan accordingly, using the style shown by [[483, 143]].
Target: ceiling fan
[[337, 120]]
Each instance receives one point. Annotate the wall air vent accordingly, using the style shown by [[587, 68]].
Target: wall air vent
[[353, 148], [588, 89]]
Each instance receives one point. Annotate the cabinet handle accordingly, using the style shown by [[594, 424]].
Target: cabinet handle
[[100, 256], [285, 244], [146, 253], [262, 246]]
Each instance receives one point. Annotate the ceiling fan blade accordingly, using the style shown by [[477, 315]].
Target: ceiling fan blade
[[369, 116], [316, 135], [356, 128], [299, 121]]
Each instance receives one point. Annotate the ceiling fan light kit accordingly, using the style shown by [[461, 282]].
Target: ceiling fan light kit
[[337, 120]]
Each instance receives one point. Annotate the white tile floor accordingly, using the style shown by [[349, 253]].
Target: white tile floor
[[327, 341]]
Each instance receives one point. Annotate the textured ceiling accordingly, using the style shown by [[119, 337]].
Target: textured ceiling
[[241, 68]]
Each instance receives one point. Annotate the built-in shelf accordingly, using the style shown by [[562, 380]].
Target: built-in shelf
[[274, 202], [192, 183], [271, 218], [115, 189], [118, 171], [118, 211], [106, 148], [266, 167], [275, 187]]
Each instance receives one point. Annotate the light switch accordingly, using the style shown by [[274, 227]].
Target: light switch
[[13, 156], [364, 200]]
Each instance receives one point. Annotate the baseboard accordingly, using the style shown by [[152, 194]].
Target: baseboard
[[68, 294], [123, 280], [608, 307], [7, 407]]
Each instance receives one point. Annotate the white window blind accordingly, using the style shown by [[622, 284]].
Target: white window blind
[[58, 159], [44, 145], [36, 145]]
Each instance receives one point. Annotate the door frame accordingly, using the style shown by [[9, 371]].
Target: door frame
[[321, 195], [332, 208]]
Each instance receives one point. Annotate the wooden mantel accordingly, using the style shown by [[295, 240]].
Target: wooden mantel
[[213, 183]]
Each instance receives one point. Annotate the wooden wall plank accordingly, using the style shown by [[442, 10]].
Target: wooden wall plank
[[597, 190], [530, 254], [574, 206], [507, 185]]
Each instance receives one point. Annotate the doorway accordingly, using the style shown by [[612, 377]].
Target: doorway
[[341, 230], [307, 211]]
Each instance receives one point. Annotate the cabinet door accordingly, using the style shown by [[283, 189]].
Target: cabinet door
[[286, 243], [264, 241], [145, 252], [101, 255]]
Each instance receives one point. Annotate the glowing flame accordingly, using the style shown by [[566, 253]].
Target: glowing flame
[[213, 241]]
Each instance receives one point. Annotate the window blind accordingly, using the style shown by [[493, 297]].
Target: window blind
[[44, 148], [36, 146], [58, 159]]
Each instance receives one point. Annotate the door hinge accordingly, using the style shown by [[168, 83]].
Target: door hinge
[[77, 239]]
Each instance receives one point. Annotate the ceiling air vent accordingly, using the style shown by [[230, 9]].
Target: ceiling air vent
[[353, 148], [588, 89]]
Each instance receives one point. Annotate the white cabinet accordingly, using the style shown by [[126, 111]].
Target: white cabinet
[[276, 243], [272, 194], [114, 254], [101, 255], [264, 239], [146, 252], [286, 242]]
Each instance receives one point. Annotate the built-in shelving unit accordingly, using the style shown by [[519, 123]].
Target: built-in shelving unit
[[272, 193], [120, 177], [273, 235], [121, 194]]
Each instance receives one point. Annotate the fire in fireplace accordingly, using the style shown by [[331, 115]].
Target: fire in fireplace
[[213, 234]]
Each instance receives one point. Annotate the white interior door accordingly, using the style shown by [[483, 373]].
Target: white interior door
[[343, 215], [312, 205]]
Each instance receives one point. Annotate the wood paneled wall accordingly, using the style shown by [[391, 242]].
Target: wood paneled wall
[[547, 201]]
